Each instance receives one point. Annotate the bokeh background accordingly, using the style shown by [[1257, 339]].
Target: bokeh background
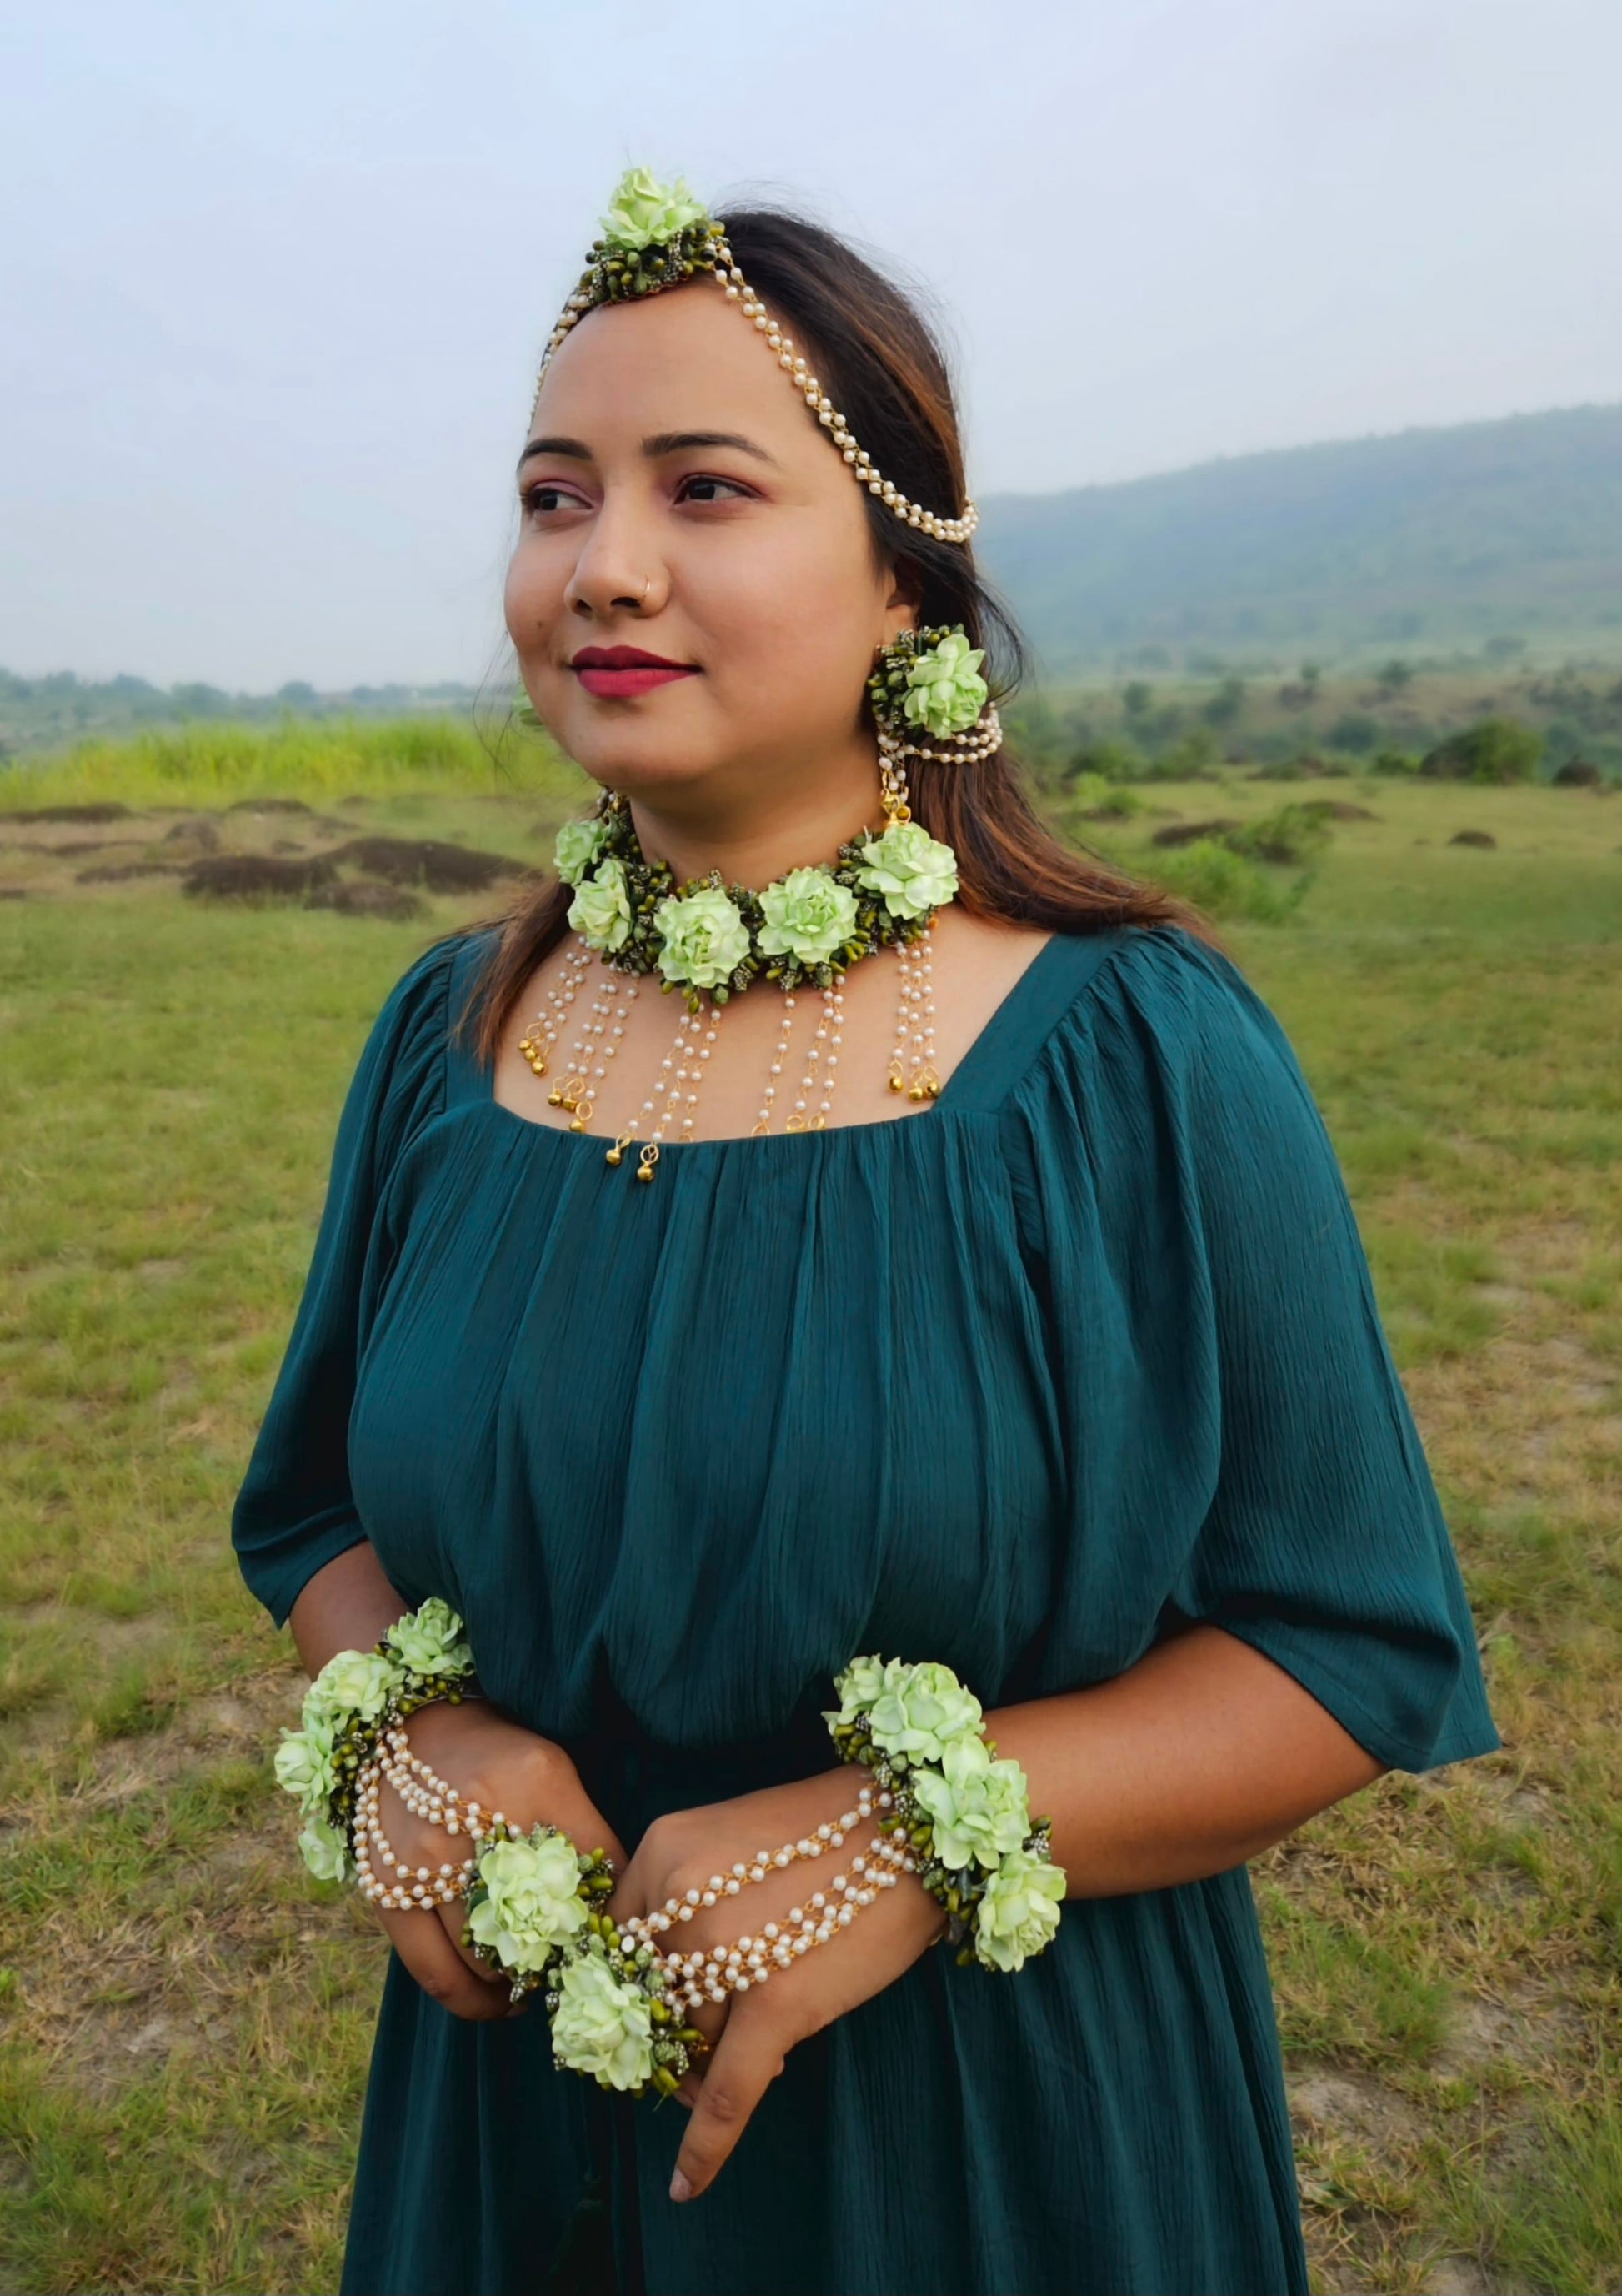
[[1293, 374]]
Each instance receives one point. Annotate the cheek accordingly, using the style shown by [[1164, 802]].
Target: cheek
[[533, 595], [792, 626]]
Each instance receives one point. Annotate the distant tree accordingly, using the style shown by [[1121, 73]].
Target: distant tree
[[297, 694], [1492, 750], [1309, 674], [1136, 698], [1504, 647], [1394, 676], [1225, 704], [199, 701], [1354, 731]]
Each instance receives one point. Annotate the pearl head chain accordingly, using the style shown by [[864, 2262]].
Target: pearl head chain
[[712, 253]]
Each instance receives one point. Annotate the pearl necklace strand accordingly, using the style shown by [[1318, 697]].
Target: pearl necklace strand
[[683, 1069]]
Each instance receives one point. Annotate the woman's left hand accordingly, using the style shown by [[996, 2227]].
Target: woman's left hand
[[753, 2032]]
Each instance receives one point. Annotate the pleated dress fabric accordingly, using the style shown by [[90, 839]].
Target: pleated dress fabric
[[1017, 1382]]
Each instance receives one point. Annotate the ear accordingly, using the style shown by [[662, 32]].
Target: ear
[[904, 602]]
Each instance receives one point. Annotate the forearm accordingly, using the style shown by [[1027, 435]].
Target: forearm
[[1200, 1755], [346, 1606]]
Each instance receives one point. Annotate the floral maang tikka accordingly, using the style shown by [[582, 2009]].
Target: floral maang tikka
[[655, 236]]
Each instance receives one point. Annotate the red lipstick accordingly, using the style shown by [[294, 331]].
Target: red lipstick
[[615, 673]]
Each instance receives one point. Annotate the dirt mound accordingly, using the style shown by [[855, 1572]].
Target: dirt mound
[[107, 812], [366, 897], [1578, 773], [114, 873], [268, 805], [1482, 837], [1185, 832], [256, 877], [1337, 808], [199, 830], [428, 862]]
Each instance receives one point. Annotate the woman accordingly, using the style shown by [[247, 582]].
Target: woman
[[1059, 1363]]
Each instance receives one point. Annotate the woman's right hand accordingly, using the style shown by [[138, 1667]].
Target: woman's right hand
[[503, 1767]]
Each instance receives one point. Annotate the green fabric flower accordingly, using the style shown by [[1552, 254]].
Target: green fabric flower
[[979, 1808], [705, 937], [533, 1903], [909, 870], [353, 1683], [807, 917], [429, 1640], [603, 2026], [860, 1684], [1019, 1911], [601, 910], [922, 1710], [324, 1850], [643, 212], [945, 692], [578, 846], [303, 1765]]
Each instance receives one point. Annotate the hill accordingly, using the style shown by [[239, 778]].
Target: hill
[[1437, 539]]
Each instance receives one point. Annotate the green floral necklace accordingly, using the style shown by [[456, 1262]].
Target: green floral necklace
[[712, 941], [812, 924]]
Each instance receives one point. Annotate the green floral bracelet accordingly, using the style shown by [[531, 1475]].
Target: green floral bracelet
[[984, 1859], [421, 1661]]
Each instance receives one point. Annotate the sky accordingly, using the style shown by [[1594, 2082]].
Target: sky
[[274, 281]]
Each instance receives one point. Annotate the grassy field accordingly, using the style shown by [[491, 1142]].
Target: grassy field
[[183, 2023]]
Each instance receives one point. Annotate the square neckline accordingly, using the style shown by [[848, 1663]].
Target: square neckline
[[1027, 1013]]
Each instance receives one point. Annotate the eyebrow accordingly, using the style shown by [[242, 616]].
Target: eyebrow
[[661, 442]]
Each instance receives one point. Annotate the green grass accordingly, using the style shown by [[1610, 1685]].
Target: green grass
[[185, 2021]]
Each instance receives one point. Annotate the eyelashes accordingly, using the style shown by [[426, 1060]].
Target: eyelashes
[[547, 496]]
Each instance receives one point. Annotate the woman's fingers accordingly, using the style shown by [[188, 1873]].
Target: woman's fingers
[[747, 2060], [420, 1941]]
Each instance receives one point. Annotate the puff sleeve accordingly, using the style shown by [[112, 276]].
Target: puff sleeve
[[294, 1511], [1238, 1422]]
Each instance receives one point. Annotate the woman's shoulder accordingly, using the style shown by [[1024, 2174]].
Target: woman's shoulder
[[1155, 1011]]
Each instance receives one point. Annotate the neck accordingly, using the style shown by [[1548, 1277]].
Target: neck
[[755, 836]]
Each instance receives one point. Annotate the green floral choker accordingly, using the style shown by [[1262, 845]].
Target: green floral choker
[[811, 925]]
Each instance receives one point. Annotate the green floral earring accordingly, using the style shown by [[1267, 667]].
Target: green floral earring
[[929, 700]]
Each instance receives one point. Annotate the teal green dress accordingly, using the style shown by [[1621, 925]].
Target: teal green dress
[[1086, 1348]]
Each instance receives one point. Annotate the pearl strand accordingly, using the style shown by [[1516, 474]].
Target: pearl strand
[[925, 1081], [575, 1090], [832, 1012], [696, 1977], [690, 1025], [549, 1023], [763, 1122], [830, 1835], [414, 1889]]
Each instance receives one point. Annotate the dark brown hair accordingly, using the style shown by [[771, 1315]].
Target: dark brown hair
[[882, 366]]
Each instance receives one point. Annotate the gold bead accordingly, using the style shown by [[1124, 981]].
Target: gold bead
[[579, 1125], [554, 1098], [915, 1092], [615, 1156], [896, 1083], [644, 1171]]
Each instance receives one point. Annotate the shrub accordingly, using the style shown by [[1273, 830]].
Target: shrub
[[1290, 837], [1493, 749], [1355, 732], [1394, 763], [1226, 884]]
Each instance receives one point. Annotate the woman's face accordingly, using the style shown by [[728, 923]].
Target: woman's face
[[676, 498]]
